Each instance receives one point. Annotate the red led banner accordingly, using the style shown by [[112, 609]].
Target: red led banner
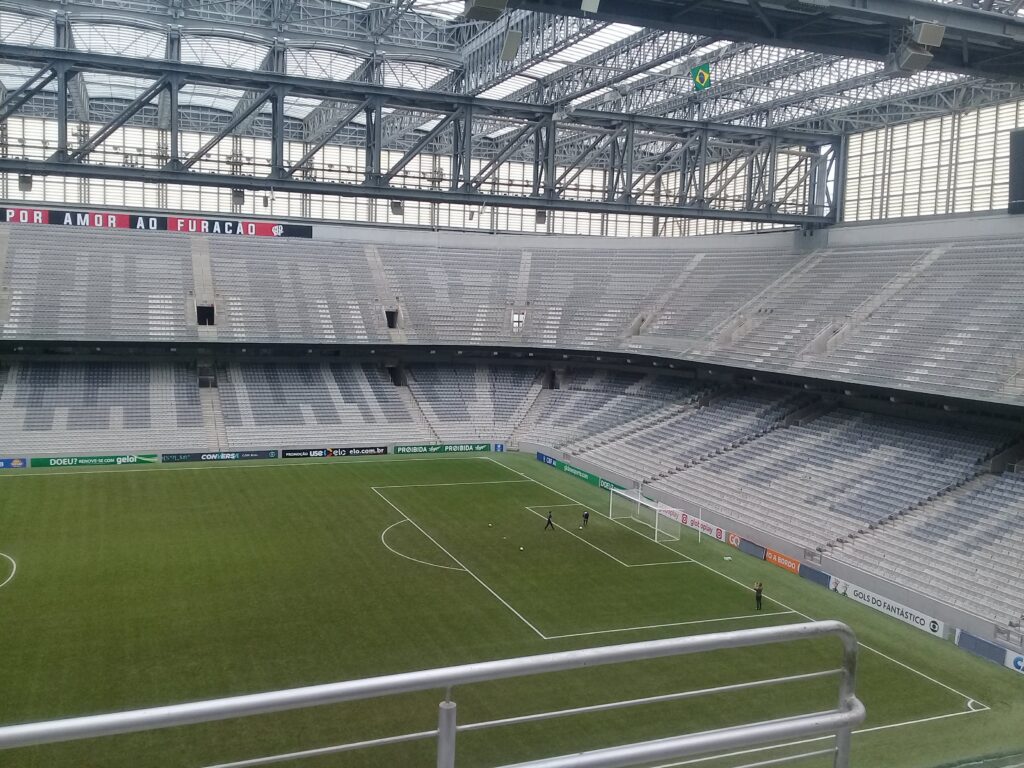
[[183, 224]]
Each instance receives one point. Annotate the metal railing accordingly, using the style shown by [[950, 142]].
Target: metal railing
[[838, 722]]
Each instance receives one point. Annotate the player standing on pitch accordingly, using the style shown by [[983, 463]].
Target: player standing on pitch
[[586, 517], [549, 523], [758, 589]]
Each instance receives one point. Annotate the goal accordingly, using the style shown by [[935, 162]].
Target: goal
[[646, 516]]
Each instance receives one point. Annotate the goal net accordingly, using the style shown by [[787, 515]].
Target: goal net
[[648, 517]]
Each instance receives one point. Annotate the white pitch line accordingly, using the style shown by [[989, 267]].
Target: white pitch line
[[14, 569], [409, 557], [777, 602], [443, 485], [802, 742], [590, 543], [456, 560], [672, 624], [242, 464], [587, 506]]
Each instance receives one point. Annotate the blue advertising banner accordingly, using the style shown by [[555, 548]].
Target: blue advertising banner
[[813, 574], [981, 647], [13, 463], [755, 550]]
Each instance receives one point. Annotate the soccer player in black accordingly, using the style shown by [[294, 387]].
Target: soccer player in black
[[586, 517], [758, 589], [549, 523]]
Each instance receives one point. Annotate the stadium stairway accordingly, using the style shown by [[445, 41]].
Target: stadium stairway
[[832, 337], [213, 415], [418, 415], [5, 296]]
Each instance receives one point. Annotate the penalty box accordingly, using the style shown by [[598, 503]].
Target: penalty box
[[567, 582]]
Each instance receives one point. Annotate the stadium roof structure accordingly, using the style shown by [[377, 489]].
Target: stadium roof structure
[[571, 91]]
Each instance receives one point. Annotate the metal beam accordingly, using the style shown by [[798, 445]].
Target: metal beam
[[105, 131], [274, 61], [302, 22], [399, 98], [13, 100], [345, 119], [228, 129], [993, 43], [634, 55], [543, 35], [458, 196]]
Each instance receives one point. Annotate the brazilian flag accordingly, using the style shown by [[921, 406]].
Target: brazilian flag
[[701, 77]]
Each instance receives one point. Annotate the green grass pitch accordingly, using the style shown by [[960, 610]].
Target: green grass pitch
[[155, 585]]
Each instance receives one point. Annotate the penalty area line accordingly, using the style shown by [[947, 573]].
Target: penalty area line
[[456, 560], [445, 485], [704, 565], [671, 624], [575, 535]]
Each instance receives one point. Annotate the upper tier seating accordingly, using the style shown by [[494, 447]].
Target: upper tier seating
[[957, 327], [309, 291], [925, 316], [828, 288], [455, 295], [713, 288], [97, 285]]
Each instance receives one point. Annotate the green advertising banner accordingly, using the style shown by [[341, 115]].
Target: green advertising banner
[[93, 461], [582, 474], [444, 448]]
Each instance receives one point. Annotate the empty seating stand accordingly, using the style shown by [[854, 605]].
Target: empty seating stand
[[97, 285], [464, 402], [303, 291], [834, 476], [964, 548], [48, 408], [333, 405]]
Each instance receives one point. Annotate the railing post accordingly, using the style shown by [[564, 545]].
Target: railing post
[[847, 697], [446, 734]]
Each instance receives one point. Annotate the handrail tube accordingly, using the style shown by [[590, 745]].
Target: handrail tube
[[660, 699], [520, 719], [709, 741], [92, 726]]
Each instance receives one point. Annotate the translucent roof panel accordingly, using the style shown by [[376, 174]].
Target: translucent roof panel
[[120, 39], [122, 87], [508, 87], [588, 46], [13, 76], [411, 74], [19, 29], [446, 9], [222, 52], [210, 96], [323, 65], [298, 107]]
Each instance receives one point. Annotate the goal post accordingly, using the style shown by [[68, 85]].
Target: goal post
[[648, 517]]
